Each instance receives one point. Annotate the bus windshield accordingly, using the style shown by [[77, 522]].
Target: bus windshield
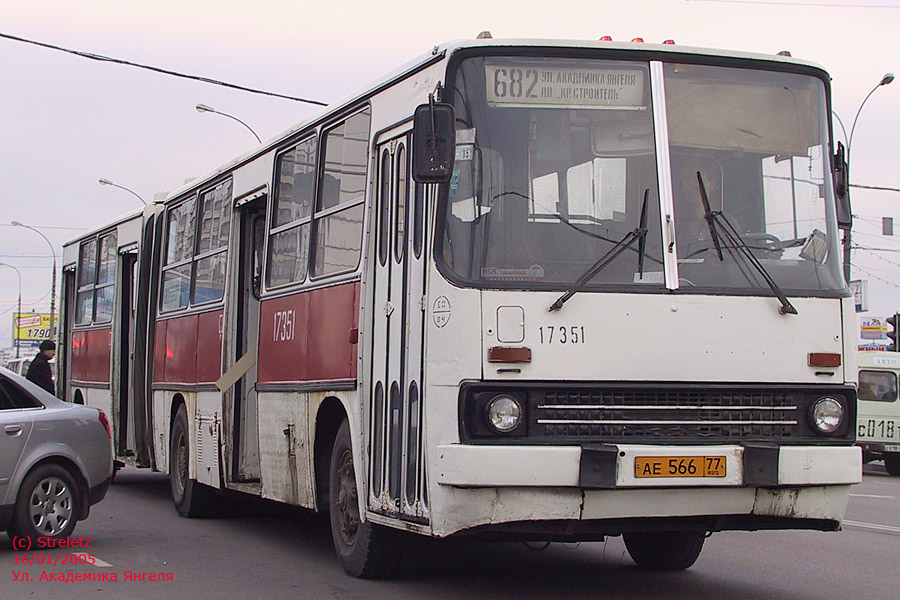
[[555, 158]]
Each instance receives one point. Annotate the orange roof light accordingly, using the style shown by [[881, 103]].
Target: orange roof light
[[641, 40]]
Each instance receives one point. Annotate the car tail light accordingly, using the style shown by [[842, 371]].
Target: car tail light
[[105, 422]]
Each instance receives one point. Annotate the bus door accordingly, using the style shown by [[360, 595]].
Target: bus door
[[252, 223], [124, 362], [395, 444]]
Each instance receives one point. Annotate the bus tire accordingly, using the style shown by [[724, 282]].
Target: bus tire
[[366, 550], [664, 550], [192, 499], [892, 464]]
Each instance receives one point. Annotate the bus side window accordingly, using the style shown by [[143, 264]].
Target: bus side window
[[880, 386]]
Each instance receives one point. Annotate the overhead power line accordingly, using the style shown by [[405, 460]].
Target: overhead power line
[[875, 187], [119, 61]]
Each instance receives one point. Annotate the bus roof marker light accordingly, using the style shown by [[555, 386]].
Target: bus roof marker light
[[484, 35], [639, 40], [606, 38], [669, 42]]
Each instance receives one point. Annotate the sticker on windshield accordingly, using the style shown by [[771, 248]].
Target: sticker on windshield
[[465, 152], [532, 273]]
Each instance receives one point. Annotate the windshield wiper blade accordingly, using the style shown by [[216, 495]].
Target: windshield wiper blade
[[719, 222], [642, 241], [638, 234], [710, 218]]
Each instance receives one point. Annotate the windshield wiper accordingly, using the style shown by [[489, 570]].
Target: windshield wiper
[[638, 234], [719, 223]]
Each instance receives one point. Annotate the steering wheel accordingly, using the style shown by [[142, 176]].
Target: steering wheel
[[765, 244]]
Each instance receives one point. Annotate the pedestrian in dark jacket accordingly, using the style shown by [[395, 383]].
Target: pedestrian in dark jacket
[[39, 371]]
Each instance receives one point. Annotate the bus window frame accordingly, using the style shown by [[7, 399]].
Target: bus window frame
[[93, 287], [320, 214], [194, 258], [273, 230]]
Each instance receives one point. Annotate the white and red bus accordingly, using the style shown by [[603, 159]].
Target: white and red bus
[[539, 290]]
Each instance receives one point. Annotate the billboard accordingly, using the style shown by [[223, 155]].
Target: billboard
[[30, 329]]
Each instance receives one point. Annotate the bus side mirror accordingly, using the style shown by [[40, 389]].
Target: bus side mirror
[[842, 188], [434, 143]]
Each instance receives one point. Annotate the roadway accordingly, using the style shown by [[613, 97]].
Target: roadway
[[274, 551]]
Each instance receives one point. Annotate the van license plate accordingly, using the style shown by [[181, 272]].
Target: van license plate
[[679, 466]]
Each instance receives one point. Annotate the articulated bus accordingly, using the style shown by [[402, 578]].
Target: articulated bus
[[878, 423], [532, 290]]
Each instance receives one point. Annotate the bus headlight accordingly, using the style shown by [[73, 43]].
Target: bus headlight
[[827, 414], [504, 413]]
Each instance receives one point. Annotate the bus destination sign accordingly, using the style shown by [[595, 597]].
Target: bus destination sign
[[540, 85]]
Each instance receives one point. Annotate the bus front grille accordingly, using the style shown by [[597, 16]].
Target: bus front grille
[[636, 415]]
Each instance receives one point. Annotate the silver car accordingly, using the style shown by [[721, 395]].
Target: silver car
[[55, 460]]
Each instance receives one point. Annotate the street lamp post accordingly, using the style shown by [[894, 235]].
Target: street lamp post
[[103, 181], [19, 309], [888, 78], [204, 108], [53, 281]]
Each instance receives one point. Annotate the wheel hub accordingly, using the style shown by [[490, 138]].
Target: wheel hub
[[51, 506], [347, 505]]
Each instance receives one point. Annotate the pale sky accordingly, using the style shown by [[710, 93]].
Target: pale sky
[[68, 121]]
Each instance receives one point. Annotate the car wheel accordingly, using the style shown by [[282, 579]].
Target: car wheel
[[365, 550], [192, 499], [48, 504], [892, 464], [664, 550]]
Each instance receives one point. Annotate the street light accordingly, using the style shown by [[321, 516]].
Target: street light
[[121, 187], [888, 78], [204, 108], [53, 281], [19, 309]]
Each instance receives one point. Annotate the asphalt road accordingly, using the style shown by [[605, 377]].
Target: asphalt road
[[273, 551]]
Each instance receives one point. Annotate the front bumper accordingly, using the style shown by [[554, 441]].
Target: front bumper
[[611, 466], [541, 492]]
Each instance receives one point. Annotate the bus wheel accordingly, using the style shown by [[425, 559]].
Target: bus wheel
[[192, 499], [892, 464], [664, 550], [365, 550]]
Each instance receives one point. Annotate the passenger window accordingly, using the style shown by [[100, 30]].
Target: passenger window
[[96, 280], [337, 242], [13, 397], [880, 386], [295, 185]]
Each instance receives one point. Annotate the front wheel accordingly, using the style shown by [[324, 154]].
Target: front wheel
[[192, 499], [365, 550], [48, 504], [664, 550]]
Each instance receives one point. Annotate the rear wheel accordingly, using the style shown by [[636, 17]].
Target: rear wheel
[[664, 550], [365, 550], [192, 499], [892, 464], [48, 504]]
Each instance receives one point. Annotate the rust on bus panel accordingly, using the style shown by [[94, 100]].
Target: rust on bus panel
[[188, 349], [307, 336], [91, 355]]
